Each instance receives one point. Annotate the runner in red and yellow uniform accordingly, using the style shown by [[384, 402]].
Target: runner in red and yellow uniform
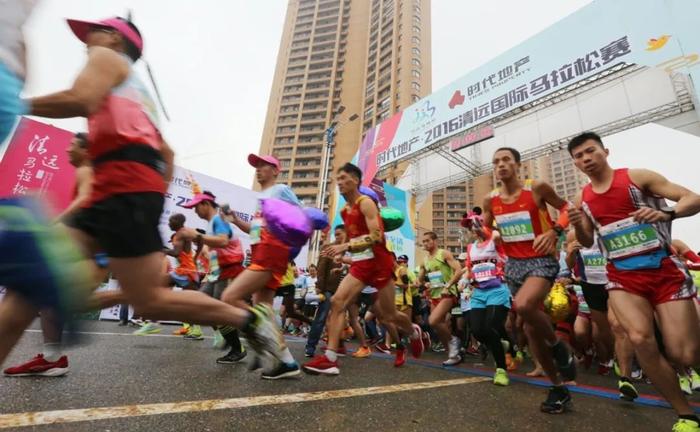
[[372, 265], [529, 241], [627, 210]]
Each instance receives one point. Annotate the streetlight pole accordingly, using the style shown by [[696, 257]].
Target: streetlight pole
[[325, 165]]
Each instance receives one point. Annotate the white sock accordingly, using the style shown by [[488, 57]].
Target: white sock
[[52, 351], [331, 355], [287, 356]]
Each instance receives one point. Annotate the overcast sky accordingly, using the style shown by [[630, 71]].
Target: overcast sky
[[214, 61]]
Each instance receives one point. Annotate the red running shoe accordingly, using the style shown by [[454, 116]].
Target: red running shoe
[[39, 366], [321, 365], [417, 346], [400, 357], [383, 348]]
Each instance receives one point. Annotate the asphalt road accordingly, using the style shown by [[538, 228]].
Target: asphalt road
[[120, 382]]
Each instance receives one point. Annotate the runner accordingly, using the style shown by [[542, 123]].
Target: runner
[[490, 299], [330, 273], [372, 265], [588, 265], [270, 257], [529, 240], [225, 264], [51, 361], [627, 210], [287, 291], [132, 167], [439, 268]]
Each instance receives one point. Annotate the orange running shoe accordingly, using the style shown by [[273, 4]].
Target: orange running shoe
[[182, 330], [362, 352], [511, 363]]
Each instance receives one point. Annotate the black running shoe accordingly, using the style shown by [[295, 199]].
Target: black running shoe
[[232, 357], [564, 361], [558, 400], [283, 370]]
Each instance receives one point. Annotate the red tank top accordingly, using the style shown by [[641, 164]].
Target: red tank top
[[620, 238], [356, 226], [520, 222], [127, 116]]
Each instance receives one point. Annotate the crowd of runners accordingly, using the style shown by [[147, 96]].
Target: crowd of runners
[[600, 283]]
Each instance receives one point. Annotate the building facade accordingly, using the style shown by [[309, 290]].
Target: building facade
[[341, 59]]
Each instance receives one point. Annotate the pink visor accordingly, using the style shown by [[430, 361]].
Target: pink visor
[[82, 28], [198, 198], [254, 160]]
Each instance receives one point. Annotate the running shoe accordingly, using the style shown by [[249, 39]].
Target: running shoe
[[694, 380], [232, 357], [362, 352], [148, 328], [437, 347], [683, 425], [123, 323], [383, 348], [426, 340], [564, 361], [519, 357], [500, 378], [604, 369], [135, 322], [416, 338], [195, 333], [282, 370], [511, 363], [453, 347], [558, 400], [627, 390], [219, 341], [451, 361], [321, 365], [400, 358], [182, 330], [684, 382], [309, 353], [39, 366], [637, 374], [263, 335]]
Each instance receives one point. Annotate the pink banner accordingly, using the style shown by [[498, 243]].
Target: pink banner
[[36, 162]]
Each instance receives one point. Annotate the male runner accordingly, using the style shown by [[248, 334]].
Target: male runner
[[439, 268], [132, 167], [270, 256], [529, 240], [225, 264], [329, 276], [588, 264], [626, 209], [185, 274], [372, 265], [51, 361]]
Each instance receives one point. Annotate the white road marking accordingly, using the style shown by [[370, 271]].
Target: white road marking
[[104, 413]]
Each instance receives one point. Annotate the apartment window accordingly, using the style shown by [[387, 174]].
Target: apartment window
[[415, 86], [415, 40], [416, 29], [415, 74], [415, 62], [415, 51], [415, 98]]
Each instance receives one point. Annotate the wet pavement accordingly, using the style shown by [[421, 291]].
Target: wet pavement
[[165, 383]]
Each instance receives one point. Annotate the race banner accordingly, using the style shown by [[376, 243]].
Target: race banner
[[36, 162], [601, 35]]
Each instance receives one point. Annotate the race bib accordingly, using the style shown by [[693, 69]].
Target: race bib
[[515, 227], [626, 238], [483, 272], [435, 279], [255, 230], [363, 255]]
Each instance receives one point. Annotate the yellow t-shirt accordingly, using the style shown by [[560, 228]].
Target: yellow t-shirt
[[401, 297]]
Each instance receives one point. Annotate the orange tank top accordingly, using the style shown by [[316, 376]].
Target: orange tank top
[[520, 222]]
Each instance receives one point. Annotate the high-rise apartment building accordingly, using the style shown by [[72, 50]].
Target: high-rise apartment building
[[371, 57], [450, 203]]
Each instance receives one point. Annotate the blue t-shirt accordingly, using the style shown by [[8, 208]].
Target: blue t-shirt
[[217, 226]]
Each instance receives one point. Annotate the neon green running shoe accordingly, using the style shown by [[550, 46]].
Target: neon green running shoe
[[683, 425], [627, 391], [684, 382], [520, 356], [147, 329], [195, 333], [500, 378]]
